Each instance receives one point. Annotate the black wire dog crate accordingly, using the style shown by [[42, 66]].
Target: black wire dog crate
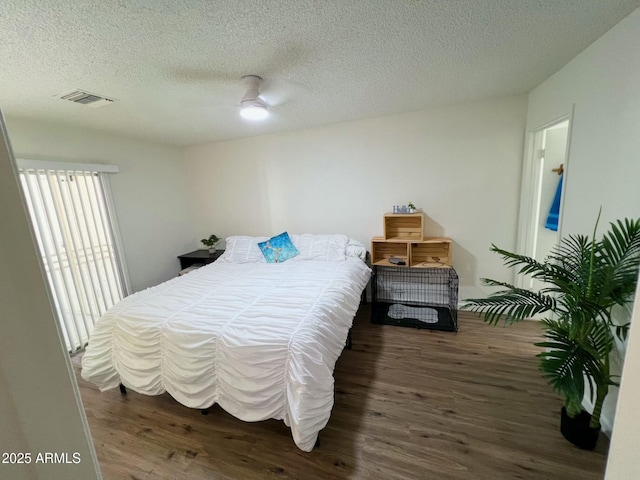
[[416, 297]]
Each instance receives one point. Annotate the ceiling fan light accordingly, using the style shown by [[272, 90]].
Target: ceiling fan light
[[254, 111]]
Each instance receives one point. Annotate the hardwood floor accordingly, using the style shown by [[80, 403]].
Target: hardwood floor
[[409, 404]]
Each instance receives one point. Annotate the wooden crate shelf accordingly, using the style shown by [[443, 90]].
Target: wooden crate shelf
[[431, 252], [382, 250], [403, 226], [427, 253], [404, 238]]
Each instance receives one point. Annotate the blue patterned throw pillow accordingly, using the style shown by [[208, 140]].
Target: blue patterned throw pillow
[[278, 249]]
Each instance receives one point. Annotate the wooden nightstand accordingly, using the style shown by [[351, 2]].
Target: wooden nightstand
[[199, 256]]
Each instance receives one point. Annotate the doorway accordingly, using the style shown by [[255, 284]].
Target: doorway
[[544, 178]]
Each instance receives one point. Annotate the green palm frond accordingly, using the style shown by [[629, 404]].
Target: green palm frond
[[571, 358], [620, 258], [563, 363], [513, 304], [568, 264], [622, 241], [622, 331], [528, 265]]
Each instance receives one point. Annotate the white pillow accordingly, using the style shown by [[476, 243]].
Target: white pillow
[[243, 249], [332, 248], [356, 249]]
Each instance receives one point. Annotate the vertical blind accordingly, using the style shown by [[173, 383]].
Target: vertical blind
[[70, 213]]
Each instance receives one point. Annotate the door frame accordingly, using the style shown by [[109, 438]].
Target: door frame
[[529, 201]]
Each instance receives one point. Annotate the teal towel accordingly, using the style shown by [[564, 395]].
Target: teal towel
[[554, 212]]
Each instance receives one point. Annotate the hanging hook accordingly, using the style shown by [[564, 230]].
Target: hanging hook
[[559, 170]]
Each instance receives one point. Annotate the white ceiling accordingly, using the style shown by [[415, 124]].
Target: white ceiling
[[175, 66]]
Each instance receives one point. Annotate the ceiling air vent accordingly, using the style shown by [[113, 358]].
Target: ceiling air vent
[[86, 98]]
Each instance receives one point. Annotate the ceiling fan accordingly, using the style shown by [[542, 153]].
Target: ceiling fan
[[252, 106], [263, 96]]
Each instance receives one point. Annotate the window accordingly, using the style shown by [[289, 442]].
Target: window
[[70, 210]]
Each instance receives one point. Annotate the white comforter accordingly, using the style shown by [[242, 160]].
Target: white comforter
[[261, 340]]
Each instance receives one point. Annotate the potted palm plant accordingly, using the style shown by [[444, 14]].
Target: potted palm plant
[[584, 279]]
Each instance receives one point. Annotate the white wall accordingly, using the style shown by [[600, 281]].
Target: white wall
[[40, 406], [624, 461], [150, 192], [461, 164], [603, 83]]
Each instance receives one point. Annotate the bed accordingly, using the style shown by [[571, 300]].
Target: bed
[[259, 339]]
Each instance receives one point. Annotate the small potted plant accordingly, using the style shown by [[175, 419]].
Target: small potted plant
[[210, 243], [412, 207]]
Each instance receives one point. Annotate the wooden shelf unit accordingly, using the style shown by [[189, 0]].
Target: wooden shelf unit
[[403, 226], [382, 250], [404, 238], [431, 252]]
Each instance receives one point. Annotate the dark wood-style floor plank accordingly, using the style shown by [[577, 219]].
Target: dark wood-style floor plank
[[409, 404]]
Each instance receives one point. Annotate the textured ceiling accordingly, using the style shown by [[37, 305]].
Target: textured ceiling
[[175, 66]]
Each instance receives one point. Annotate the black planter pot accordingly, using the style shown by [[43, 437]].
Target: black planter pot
[[578, 431]]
